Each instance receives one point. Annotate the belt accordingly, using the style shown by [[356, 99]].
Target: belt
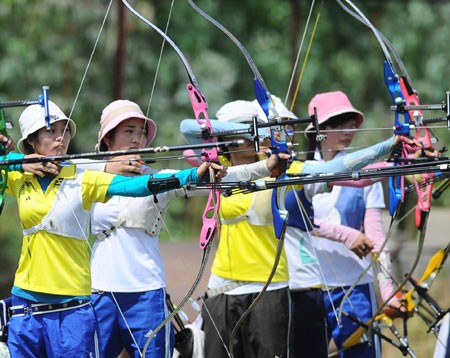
[[41, 308], [225, 288], [306, 289], [98, 292]]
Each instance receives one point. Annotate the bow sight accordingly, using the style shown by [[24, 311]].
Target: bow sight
[[402, 107], [4, 126], [42, 100], [254, 129]]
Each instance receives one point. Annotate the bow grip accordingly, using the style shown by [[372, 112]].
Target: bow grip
[[395, 194], [280, 216], [43, 101], [3, 131], [210, 213], [263, 97], [4, 176], [200, 108], [393, 84], [209, 219], [275, 145]]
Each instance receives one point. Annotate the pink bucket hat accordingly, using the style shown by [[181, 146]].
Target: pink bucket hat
[[332, 104], [118, 111]]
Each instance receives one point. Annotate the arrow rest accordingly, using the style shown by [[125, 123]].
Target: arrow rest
[[315, 120]]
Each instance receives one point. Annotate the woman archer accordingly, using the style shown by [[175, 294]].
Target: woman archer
[[51, 313]]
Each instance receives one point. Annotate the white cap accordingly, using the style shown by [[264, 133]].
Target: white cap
[[33, 118], [239, 112]]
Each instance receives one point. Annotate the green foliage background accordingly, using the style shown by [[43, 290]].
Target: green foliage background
[[49, 42]]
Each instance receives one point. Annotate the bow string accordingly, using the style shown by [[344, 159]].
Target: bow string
[[416, 298], [279, 212], [413, 303], [264, 99], [200, 107], [3, 168], [403, 95]]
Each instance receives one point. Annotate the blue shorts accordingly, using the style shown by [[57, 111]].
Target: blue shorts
[[129, 326], [64, 333], [360, 304]]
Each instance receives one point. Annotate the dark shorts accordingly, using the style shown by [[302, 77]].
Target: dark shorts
[[309, 324], [264, 333]]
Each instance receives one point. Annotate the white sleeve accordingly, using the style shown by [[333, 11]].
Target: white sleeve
[[314, 189], [374, 196], [90, 164], [245, 172]]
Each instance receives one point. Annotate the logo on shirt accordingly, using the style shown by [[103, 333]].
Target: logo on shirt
[[58, 182]]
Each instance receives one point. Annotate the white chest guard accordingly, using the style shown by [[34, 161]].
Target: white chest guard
[[66, 216], [135, 213]]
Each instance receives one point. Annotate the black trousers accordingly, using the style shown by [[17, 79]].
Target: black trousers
[[264, 333], [309, 324]]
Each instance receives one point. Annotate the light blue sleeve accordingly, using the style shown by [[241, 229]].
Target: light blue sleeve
[[352, 161], [14, 156], [190, 129], [140, 186]]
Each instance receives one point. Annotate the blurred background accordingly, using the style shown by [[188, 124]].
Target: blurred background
[[51, 42]]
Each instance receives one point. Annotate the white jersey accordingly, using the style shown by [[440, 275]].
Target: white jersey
[[303, 264], [127, 257], [340, 266], [304, 267]]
